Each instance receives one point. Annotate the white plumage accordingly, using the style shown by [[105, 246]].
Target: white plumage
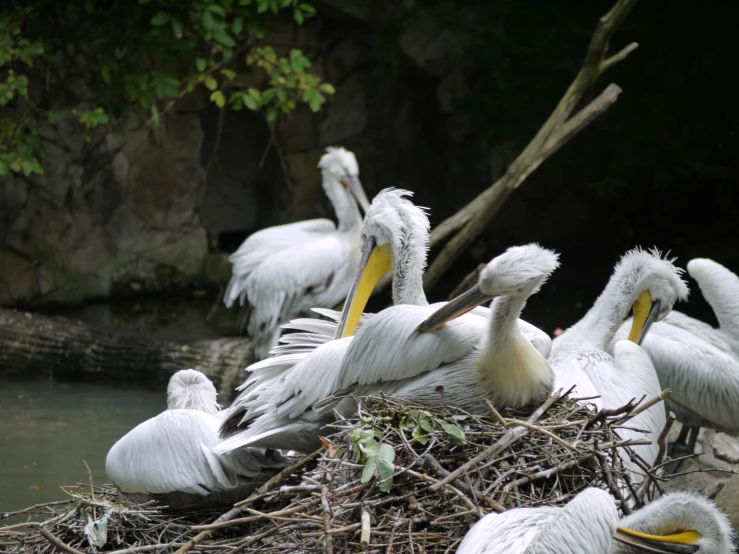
[[171, 456], [588, 523], [282, 271], [700, 363], [580, 355], [389, 355]]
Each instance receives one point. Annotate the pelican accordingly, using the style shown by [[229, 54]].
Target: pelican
[[676, 523], [170, 457], [284, 270], [579, 356], [700, 363], [390, 355]]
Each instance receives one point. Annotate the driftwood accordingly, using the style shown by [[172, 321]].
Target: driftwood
[[33, 345], [558, 129]]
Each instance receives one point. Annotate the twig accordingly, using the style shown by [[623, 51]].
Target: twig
[[508, 423], [643, 406], [662, 441], [56, 542], [327, 519], [238, 508], [5, 515], [365, 536]]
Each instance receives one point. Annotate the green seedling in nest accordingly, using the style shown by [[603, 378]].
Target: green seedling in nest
[[377, 457], [422, 424]]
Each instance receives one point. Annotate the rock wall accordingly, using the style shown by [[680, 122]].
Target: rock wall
[[118, 212]]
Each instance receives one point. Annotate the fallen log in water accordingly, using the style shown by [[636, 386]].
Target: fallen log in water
[[33, 345]]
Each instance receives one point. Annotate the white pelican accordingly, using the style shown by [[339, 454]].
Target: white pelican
[[700, 363], [170, 456], [580, 357], [676, 523], [389, 355], [284, 270]]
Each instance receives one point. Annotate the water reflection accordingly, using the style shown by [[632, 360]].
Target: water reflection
[[48, 429]]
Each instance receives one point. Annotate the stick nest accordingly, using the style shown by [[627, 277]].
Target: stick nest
[[395, 478]]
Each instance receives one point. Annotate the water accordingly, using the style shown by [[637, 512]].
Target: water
[[48, 430]]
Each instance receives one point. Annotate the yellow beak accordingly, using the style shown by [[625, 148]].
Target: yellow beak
[[645, 313], [673, 543], [375, 262]]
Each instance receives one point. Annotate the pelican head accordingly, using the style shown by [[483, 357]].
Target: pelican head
[[395, 234], [340, 168], [189, 389], [652, 285], [519, 271], [679, 522]]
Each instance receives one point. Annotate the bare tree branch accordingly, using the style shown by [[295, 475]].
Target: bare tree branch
[[560, 127]]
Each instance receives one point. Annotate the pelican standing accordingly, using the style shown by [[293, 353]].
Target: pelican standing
[[651, 285], [698, 362], [170, 457], [284, 270], [676, 523]]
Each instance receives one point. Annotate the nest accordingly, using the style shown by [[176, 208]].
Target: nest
[[395, 478]]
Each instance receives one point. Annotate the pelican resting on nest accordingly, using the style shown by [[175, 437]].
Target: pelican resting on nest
[[171, 457], [651, 285], [404, 361], [282, 271], [698, 362], [677, 523]]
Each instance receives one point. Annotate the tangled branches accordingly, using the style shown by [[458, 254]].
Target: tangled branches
[[395, 478]]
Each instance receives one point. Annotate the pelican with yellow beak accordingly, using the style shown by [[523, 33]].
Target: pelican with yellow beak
[[677, 523], [650, 285]]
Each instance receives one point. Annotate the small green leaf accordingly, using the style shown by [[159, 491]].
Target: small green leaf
[[281, 95], [420, 435], [386, 453], [314, 103], [386, 471], [298, 16], [369, 469], [4, 167], [460, 417], [210, 83], [52, 116], [426, 424], [237, 25], [160, 19], [307, 9], [453, 430], [268, 95], [328, 88], [249, 102], [218, 98], [177, 28], [201, 64], [271, 114], [217, 10]]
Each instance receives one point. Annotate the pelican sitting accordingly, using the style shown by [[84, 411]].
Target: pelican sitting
[[676, 523], [170, 457], [579, 356], [284, 270], [700, 363], [389, 355]]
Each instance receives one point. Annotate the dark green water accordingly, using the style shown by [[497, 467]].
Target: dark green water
[[48, 430]]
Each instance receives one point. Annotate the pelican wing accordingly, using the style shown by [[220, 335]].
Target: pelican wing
[[703, 374], [289, 279], [263, 244], [720, 288], [388, 347]]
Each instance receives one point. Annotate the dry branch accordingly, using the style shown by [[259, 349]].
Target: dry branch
[[559, 128]]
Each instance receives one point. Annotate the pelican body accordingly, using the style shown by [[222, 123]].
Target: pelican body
[[171, 456], [698, 362], [677, 523], [580, 357], [285, 270]]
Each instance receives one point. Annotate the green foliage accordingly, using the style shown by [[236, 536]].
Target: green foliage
[[378, 457], [146, 54]]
